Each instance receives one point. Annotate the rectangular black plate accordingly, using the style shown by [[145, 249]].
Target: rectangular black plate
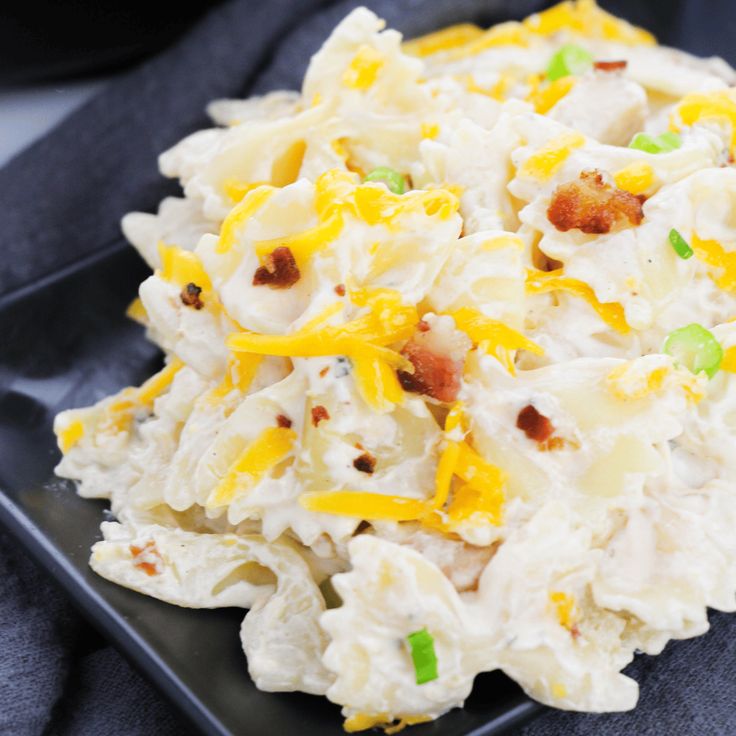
[[68, 343]]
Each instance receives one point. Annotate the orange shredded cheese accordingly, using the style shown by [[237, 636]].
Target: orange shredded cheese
[[612, 313]]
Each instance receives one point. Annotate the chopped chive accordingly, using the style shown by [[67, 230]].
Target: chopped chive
[[423, 655], [680, 245], [696, 348], [663, 143], [391, 178], [569, 59]]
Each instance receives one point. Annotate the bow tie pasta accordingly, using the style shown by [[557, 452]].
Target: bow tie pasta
[[448, 380]]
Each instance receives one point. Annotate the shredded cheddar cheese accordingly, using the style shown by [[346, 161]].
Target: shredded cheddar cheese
[[490, 335], [70, 435], [137, 312], [265, 452], [729, 360], [612, 313], [712, 253], [545, 97], [361, 505], [545, 162], [447, 38], [240, 214], [363, 69], [565, 608], [718, 106], [636, 178]]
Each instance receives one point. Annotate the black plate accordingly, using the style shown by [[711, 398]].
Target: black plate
[[68, 344]]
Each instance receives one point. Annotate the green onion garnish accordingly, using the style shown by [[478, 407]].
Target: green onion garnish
[[392, 179], [568, 59], [423, 655], [680, 245], [696, 348], [663, 143]]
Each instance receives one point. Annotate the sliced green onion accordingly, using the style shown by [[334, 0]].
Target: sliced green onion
[[568, 59], [423, 655], [680, 245], [392, 179], [696, 348], [663, 143]]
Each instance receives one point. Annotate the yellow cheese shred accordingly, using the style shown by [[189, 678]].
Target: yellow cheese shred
[[235, 190], [636, 178], [364, 721], [305, 244], [137, 312], [70, 435], [545, 162], [118, 415], [377, 383], [565, 608], [240, 214], [545, 97], [239, 374], [712, 253], [729, 360], [490, 335], [182, 267], [363, 69], [612, 313], [158, 383], [718, 106], [362, 505], [447, 38], [265, 452]]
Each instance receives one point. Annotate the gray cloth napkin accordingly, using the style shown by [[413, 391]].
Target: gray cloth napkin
[[62, 200]]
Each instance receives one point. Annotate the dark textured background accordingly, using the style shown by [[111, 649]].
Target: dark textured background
[[62, 200]]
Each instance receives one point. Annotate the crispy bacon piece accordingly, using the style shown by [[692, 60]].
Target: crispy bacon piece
[[366, 463], [279, 270], [148, 551], [283, 421], [318, 414], [190, 296], [535, 426], [610, 66], [434, 375], [340, 290], [437, 352], [593, 206]]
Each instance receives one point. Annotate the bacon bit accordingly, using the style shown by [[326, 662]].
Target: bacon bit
[[535, 426], [610, 66], [575, 631], [592, 206], [340, 290], [423, 326], [190, 296], [366, 463], [279, 270], [149, 548], [283, 421], [324, 371], [318, 414], [434, 375]]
